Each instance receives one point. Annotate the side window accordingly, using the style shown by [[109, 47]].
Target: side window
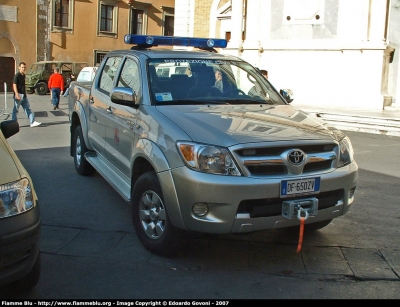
[[108, 18], [130, 76], [66, 70], [62, 15], [169, 25], [108, 74], [168, 20], [50, 67], [99, 56], [137, 22], [66, 67]]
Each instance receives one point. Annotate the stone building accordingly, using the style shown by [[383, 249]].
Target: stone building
[[74, 30], [335, 53]]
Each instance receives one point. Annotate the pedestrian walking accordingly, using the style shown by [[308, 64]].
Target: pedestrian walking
[[20, 98], [56, 86]]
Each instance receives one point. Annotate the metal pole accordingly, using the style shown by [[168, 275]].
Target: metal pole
[[5, 110]]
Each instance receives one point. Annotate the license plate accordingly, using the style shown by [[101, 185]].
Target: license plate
[[300, 187]]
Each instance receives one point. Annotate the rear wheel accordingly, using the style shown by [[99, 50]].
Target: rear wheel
[[41, 88], [82, 166], [150, 218]]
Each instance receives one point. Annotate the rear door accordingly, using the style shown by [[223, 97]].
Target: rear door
[[99, 101], [120, 132]]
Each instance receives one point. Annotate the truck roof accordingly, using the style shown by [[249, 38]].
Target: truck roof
[[176, 53]]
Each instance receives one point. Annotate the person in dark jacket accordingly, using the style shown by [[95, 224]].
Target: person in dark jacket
[[20, 98]]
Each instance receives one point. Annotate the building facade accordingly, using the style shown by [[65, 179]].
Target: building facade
[[335, 53], [74, 30], [20, 33]]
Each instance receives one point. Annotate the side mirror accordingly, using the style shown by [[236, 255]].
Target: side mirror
[[124, 96], [9, 128], [287, 94]]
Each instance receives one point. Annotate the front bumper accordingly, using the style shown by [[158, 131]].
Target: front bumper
[[19, 244], [246, 204]]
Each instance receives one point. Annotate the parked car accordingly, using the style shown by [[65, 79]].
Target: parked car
[[19, 218], [87, 74], [38, 75]]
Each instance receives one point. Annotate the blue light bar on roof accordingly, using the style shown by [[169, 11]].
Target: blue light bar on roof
[[147, 40]]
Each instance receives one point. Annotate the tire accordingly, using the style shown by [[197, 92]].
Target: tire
[[150, 218], [82, 166], [41, 88]]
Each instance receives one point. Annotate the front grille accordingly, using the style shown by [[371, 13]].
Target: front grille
[[273, 206], [9, 261], [267, 169], [273, 161]]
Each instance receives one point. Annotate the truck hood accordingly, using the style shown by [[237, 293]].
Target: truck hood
[[235, 124]]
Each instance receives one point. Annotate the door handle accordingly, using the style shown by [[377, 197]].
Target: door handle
[[109, 110]]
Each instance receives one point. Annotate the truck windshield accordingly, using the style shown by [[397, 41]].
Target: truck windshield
[[180, 81], [36, 68]]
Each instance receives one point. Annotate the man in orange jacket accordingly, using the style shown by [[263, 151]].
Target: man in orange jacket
[[56, 86]]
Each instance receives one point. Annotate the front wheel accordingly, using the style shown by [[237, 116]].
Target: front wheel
[[82, 166], [41, 88], [150, 218]]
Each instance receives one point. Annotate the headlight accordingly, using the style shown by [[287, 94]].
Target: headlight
[[208, 159], [346, 152], [15, 198]]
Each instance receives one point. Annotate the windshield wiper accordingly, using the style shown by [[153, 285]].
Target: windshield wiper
[[192, 102], [247, 101]]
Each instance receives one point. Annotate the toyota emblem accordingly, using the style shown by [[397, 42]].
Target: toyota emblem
[[296, 157]]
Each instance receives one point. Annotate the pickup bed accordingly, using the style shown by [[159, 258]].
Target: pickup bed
[[191, 157]]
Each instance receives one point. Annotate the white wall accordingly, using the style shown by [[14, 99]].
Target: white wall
[[336, 60]]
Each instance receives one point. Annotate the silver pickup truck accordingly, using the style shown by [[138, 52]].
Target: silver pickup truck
[[190, 153]]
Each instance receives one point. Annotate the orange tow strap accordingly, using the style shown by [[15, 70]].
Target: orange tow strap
[[302, 219]]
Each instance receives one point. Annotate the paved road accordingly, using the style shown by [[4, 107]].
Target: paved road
[[90, 250]]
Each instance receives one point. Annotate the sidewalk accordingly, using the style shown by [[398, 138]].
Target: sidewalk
[[385, 122]]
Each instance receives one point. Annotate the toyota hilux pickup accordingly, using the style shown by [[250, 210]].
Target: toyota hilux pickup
[[192, 157]]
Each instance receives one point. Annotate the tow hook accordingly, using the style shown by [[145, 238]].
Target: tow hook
[[291, 208], [302, 209], [299, 216]]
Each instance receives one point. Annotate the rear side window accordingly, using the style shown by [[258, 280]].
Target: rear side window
[[108, 74]]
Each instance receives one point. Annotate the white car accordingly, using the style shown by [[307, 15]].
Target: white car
[[87, 74]]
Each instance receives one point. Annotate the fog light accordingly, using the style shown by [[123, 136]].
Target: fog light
[[200, 209], [351, 192]]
